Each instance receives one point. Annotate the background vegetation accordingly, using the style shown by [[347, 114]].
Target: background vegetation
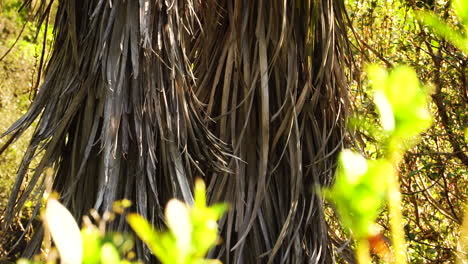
[[18, 70], [433, 173], [20, 57]]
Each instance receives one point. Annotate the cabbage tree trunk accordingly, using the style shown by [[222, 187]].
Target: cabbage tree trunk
[[141, 97]]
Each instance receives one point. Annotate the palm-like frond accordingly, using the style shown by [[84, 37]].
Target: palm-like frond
[[140, 97], [271, 75]]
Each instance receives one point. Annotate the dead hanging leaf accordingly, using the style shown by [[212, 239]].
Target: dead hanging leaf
[[64, 231], [379, 245]]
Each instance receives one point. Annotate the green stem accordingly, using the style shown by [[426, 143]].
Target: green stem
[[396, 216], [362, 251]]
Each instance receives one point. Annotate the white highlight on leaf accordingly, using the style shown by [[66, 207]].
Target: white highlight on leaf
[[178, 220], [64, 231], [354, 164], [385, 110]]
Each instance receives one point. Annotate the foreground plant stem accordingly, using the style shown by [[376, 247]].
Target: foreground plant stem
[[396, 216], [362, 251], [463, 239]]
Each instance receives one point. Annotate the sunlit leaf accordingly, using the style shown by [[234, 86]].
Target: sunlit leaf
[[463, 239], [178, 220], [109, 254], [444, 30], [400, 93], [146, 233], [200, 192], [64, 231], [193, 231], [91, 246], [385, 109], [461, 9], [353, 166], [359, 191]]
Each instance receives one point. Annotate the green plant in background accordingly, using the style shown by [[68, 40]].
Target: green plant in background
[[192, 232], [363, 185], [459, 38], [433, 174], [19, 75]]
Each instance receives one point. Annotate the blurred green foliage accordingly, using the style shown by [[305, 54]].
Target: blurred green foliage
[[192, 232], [362, 185], [359, 191], [456, 35], [401, 102], [433, 172]]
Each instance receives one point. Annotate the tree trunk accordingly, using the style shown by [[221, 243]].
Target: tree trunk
[[140, 97]]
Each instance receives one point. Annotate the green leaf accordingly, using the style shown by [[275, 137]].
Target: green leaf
[[385, 109], [444, 30], [200, 190], [27, 261], [466, 134], [435, 43], [401, 95], [461, 9], [192, 230], [91, 246], [146, 233], [359, 190], [109, 254]]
